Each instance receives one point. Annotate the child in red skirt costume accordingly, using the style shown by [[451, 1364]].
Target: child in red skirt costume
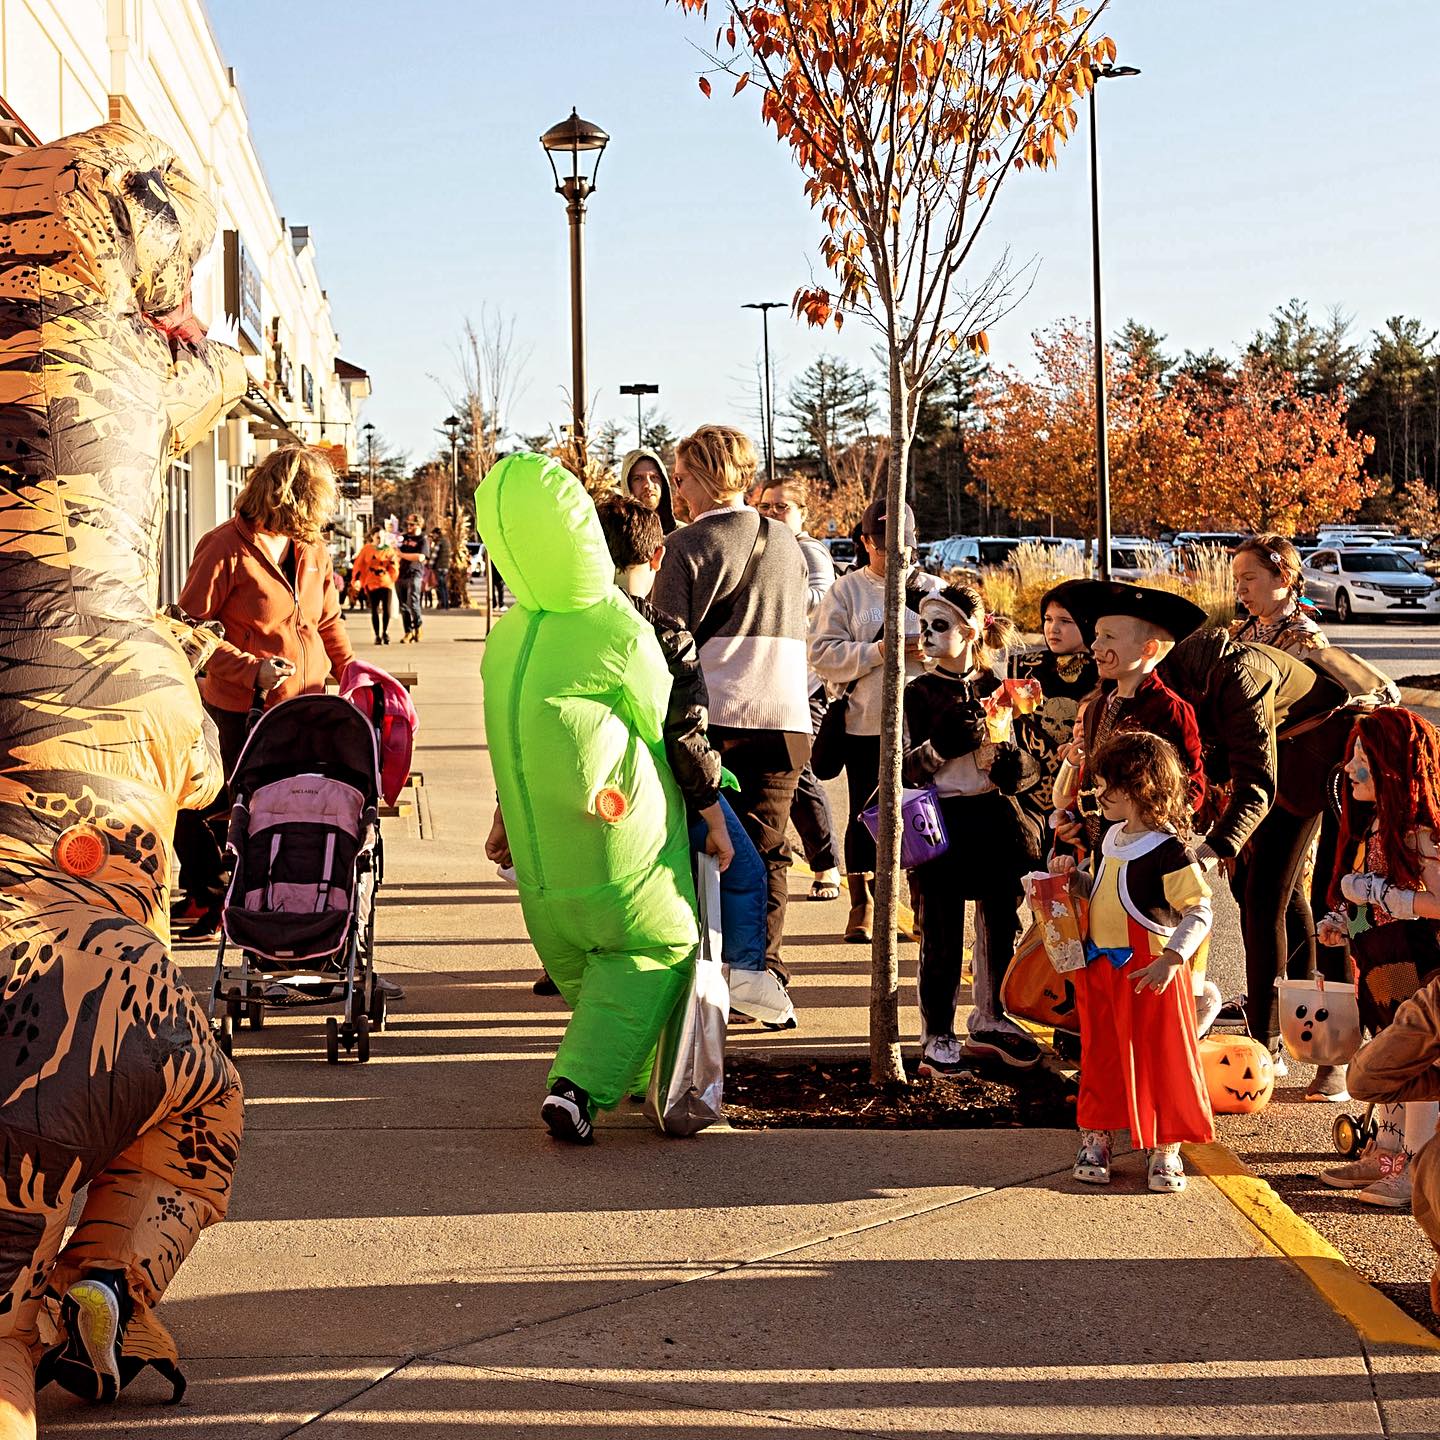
[[1149, 919]]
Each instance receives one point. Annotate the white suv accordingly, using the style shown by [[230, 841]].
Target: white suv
[[1368, 580]]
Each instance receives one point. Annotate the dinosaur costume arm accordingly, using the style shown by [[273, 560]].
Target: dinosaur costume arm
[[205, 381]]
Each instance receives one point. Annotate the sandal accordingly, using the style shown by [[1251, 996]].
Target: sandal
[[825, 889]]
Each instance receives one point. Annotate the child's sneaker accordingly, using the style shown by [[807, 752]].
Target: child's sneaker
[[1092, 1160], [1355, 1174], [1392, 1189], [941, 1056], [1167, 1173], [568, 1113]]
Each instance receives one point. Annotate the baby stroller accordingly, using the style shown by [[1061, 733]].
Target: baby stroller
[[304, 842]]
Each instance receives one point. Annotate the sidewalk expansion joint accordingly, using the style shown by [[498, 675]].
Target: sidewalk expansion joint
[[1374, 1317], [708, 1271], [365, 1389]]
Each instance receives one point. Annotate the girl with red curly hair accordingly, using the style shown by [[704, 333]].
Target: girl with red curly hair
[[1386, 898]]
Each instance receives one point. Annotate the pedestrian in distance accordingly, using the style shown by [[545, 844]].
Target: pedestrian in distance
[[1150, 920], [992, 840], [1386, 899], [373, 577], [442, 554], [847, 645], [414, 551], [738, 583], [810, 810]]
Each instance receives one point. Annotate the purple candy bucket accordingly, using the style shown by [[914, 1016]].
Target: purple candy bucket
[[922, 831]]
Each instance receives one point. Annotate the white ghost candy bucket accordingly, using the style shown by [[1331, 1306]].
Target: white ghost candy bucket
[[1319, 1021]]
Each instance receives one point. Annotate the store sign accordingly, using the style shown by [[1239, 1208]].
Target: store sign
[[364, 507], [242, 291]]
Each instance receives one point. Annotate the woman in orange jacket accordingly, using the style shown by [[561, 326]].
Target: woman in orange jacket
[[265, 575], [376, 569]]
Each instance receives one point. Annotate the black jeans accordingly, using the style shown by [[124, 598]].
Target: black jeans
[[197, 846], [767, 763], [380, 611], [442, 591], [810, 810], [412, 583], [1264, 886], [862, 775]]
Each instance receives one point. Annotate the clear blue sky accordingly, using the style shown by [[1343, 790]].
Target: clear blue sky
[[1272, 148]]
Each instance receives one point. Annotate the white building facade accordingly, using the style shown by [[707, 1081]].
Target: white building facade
[[66, 65]]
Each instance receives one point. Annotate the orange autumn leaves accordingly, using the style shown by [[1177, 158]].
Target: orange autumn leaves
[[906, 116], [1241, 450]]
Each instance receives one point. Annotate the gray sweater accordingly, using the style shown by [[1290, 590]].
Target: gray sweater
[[754, 666]]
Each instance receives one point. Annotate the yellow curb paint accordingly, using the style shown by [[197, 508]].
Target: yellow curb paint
[[1377, 1319]]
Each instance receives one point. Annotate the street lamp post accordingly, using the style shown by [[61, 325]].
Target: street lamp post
[[637, 391], [574, 137], [767, 405], [368, 431], [1102, 443], [452, 429]]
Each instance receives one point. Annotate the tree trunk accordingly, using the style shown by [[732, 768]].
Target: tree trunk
[[885, 1061]]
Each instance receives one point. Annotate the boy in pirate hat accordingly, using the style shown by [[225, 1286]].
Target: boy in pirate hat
[[1132, 628]]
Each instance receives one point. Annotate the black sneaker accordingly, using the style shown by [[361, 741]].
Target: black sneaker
[[94, 1312], [568, 1112], [1232, 1012], [1020, 1052], [392, 992]]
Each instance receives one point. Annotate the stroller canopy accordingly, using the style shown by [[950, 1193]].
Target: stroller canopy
[[311, 735]]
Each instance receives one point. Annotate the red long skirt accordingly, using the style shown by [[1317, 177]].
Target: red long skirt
[[1140, 1059]]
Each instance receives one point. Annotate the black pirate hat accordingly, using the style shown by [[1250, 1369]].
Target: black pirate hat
[[1089, 601]]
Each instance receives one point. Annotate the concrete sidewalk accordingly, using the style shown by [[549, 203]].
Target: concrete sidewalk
[[409, 1255]]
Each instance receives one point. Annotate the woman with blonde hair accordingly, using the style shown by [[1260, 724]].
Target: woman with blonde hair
[[266, 576], [738, 582]]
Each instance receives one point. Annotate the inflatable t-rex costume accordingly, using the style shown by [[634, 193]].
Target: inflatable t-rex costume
[[109, 1075], [576, 689]]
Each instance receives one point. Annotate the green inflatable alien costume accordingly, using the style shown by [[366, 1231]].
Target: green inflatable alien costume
[[576, 688]]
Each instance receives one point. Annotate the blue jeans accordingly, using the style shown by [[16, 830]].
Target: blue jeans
[[744, 891]]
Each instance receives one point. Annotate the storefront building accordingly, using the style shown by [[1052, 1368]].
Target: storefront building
[[66, 65]]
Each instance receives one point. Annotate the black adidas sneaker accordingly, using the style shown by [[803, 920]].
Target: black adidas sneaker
[[568, 1113]]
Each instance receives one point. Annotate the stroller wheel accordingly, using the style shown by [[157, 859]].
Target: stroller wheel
[[255, 1013], [362, 1039], [332, 1040], [227, 1035], [378, 1009], [1349, 1136]]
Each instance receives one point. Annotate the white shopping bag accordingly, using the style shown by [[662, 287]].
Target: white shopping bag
[[688, 1080]]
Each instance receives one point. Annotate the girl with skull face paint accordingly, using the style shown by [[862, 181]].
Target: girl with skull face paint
[[1386, 894], [992, 841]]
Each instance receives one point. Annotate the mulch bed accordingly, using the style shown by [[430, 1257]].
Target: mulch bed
[[825, 1094]]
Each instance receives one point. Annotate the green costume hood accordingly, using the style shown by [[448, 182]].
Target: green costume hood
[[543, 534]]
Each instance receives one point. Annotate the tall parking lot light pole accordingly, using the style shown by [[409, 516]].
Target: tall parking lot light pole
[[638, 391], [767, 403], [574, 137], [1102, 443]]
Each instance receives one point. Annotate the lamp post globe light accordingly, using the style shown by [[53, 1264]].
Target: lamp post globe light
[[1102, 443], [767, 401], [567, 142]]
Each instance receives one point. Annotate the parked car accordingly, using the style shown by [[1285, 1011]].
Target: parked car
[[1358, 580], [1132, 557], [476, 550], [972, 553], [842, 552]]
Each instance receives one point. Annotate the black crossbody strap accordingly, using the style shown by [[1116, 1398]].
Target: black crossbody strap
[[719, 613]]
